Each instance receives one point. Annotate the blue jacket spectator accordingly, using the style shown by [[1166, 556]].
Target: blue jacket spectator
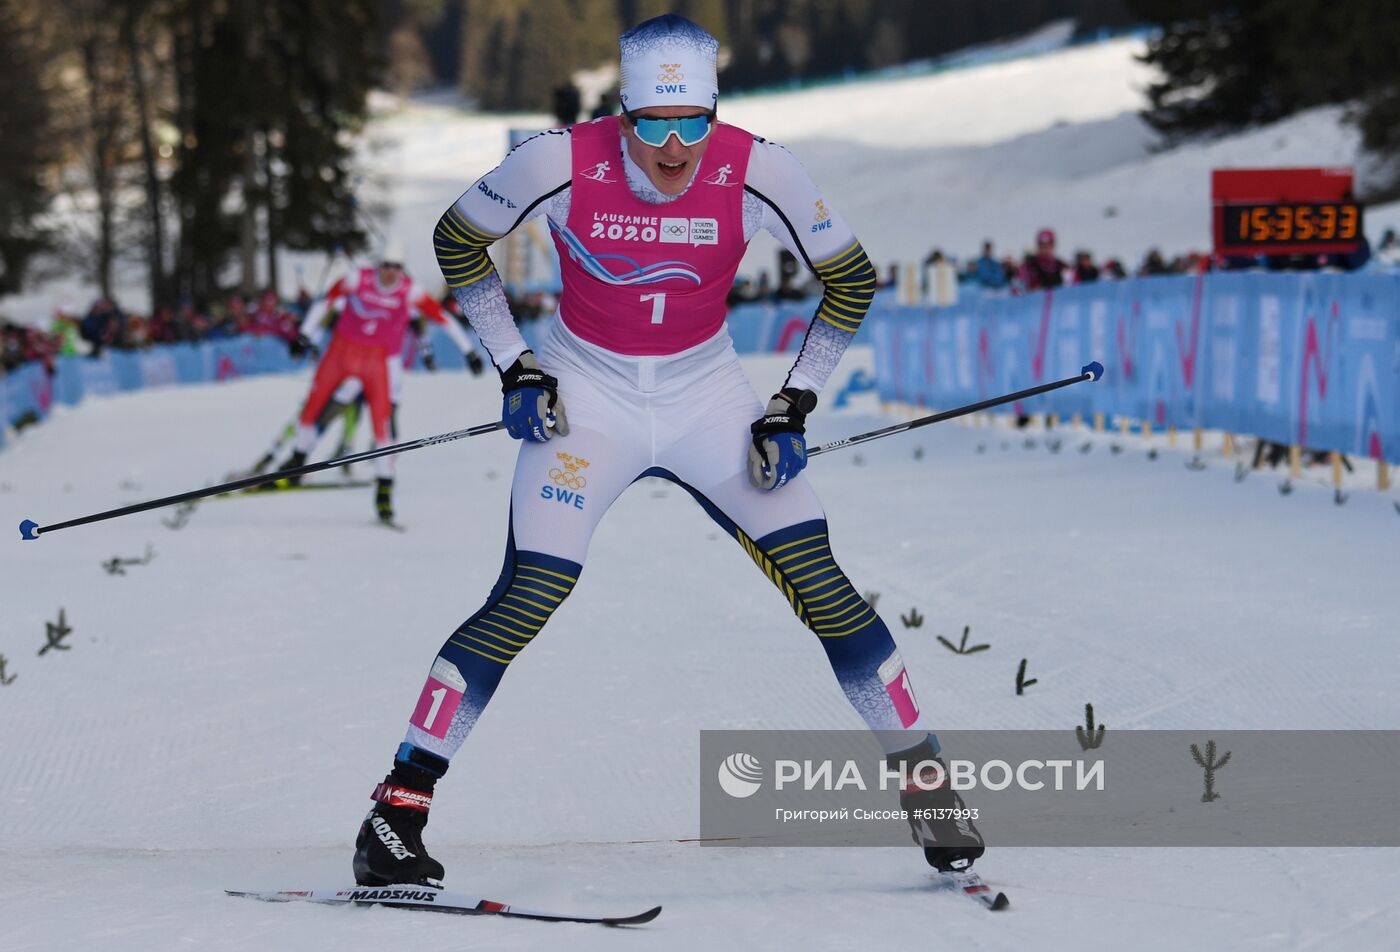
[[103, 325], [989, 271]]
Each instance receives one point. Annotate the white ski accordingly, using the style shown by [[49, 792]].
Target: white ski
[[429, 899]]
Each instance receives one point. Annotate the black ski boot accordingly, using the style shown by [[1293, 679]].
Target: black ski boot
[[297, 459], [389, 848], [383, 502], [937, 818]]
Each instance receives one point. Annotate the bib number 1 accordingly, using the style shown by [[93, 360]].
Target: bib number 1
[[658, 306], [442, 695]]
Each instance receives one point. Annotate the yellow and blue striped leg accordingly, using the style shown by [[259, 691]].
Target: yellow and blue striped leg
[[470, 664], [860, 649]]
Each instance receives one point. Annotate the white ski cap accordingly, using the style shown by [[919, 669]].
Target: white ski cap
[[668, 61], [392, 252]]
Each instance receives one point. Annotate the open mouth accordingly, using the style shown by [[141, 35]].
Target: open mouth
[[671, 171]]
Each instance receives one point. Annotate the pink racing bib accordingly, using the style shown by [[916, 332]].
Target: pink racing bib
[[374, 315], [643, 279]]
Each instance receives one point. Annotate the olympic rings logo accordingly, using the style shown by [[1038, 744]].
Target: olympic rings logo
[[566, 479]]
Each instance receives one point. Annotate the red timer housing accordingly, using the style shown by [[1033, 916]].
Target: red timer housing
[[1284, 211]]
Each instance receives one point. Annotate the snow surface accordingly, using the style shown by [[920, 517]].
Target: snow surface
[[226, 709], [942, 160]]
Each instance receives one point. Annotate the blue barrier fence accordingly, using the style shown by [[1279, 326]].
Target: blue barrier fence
[[1306, 359], [28, 394], [1310, 359]]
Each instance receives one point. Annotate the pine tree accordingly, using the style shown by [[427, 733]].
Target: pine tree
[[94, 124], [595, 38], [516, 53], [209, 63], [326, 61], [1347, 53], [134, 34], [546, 52], [24, 136], [1221, 67], [490, 60], [270, 96], [1229, 67]]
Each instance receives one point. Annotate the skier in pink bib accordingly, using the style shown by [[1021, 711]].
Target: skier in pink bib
[[651, 212], [376, 307]]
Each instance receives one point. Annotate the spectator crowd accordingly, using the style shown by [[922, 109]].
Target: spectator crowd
[[106, 326], [1042, 267]]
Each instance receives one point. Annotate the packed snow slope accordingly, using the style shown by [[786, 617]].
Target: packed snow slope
[[943, 160], [224, 710]]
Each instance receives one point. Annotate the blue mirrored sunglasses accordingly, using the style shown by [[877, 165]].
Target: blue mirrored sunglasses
[[689, 130]]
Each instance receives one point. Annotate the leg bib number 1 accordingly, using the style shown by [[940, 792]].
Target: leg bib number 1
[[896, 680], [440, 698]]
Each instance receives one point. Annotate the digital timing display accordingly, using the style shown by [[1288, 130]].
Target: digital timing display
[[1261, 226]]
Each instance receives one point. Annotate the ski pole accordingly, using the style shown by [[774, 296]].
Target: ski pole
[[30, 530], [1091, 371]]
